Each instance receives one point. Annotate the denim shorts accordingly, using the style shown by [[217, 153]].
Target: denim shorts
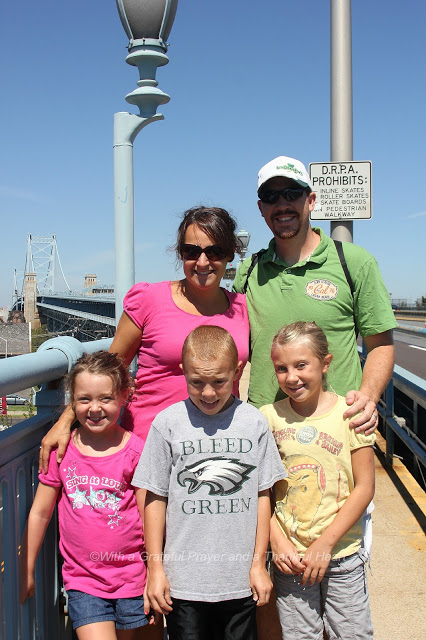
[[127, 613]]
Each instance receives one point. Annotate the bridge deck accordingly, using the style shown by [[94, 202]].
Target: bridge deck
[[398, 565]]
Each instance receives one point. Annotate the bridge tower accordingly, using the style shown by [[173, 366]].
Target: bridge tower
[[43, 260], [30, 300]]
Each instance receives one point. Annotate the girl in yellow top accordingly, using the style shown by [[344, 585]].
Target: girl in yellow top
[[316, 529]]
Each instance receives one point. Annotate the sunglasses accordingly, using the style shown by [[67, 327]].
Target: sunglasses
[[193, 252], [289, 194]]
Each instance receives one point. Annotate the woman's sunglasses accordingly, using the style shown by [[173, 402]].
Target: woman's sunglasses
[[289, 194], [193, 252]]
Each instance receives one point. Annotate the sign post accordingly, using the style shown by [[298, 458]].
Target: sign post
[[343, 190]]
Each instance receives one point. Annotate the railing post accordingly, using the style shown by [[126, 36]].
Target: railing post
[[389, 410]]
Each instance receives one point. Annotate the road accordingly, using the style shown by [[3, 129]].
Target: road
[[410, 352]]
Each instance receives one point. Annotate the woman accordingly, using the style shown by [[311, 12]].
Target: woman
[[158, 317]]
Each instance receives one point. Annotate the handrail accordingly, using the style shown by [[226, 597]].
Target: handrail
[[415, 388], [53, 360], [42, 616]]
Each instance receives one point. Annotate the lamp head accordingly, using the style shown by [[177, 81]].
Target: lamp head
[[147, 20]]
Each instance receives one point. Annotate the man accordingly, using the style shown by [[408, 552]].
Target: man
[[300, 277]]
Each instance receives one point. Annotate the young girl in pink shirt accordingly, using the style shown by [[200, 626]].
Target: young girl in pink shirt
[[101, 538]]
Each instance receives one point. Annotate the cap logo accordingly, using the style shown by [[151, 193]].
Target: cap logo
[[290, 167]]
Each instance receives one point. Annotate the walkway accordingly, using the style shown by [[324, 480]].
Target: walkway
[[398, 584]]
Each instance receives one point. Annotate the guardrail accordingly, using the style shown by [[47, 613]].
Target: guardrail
[[412, 419], [43, 616]]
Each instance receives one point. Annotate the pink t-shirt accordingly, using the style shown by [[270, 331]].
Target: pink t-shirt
[[100, 529], [159, 379]]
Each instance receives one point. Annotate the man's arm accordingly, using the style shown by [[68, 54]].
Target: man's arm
[[375, 376]]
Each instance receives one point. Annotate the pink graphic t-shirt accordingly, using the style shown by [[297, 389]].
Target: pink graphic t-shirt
[[159, 379], [101, 537]]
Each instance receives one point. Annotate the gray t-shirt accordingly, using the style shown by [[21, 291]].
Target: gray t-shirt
[[211, 469]]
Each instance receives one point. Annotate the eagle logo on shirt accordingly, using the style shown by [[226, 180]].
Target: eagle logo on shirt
[[223, 476]]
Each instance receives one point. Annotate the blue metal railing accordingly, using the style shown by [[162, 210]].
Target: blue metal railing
[[42, 617], [407, 429]]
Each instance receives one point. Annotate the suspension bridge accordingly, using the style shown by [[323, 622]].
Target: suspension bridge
[[42, 296]]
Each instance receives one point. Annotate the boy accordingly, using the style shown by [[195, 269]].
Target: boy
[[208, 465]]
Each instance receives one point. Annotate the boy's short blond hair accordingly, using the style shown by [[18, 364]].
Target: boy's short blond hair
[[210, 343]]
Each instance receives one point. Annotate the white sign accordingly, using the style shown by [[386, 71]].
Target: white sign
[[343, 190]]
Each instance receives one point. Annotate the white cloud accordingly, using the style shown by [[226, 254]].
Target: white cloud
[[417, 215]]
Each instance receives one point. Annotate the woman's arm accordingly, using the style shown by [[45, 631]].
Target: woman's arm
[[38, 519], [59, 435], [318, 556], [154, 519], [127, 339], [125, 343]]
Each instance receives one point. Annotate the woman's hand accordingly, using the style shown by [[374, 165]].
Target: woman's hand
[[59, 435]]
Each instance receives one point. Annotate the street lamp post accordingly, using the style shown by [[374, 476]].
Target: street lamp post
[[341, 128], [244, 238], [230, 273], [147, 25]]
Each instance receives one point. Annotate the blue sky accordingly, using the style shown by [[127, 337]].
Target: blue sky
[[248, 81]]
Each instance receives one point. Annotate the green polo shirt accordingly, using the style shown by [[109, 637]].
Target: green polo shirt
[[314, 289]]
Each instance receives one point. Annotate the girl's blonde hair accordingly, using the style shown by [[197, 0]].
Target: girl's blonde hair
[[101, 363], [307, 332]]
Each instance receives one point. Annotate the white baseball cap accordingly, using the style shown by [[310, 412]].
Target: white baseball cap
[[284, 167]]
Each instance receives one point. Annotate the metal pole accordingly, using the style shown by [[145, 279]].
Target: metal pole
[[146, 55], [126, 128], [341, 126]]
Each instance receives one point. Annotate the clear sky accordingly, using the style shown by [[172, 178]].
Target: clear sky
[[248, 81]]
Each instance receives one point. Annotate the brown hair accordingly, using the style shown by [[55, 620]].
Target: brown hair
[[209, 343], [101, 363], [217, 223]]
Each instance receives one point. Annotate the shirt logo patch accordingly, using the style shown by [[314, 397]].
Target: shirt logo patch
[[306, 434], [321, 290], [223, 476]]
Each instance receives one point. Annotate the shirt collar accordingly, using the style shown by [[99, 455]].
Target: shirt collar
[[318, 256]]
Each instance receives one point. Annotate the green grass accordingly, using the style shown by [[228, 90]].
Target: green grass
[[18, 408]]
